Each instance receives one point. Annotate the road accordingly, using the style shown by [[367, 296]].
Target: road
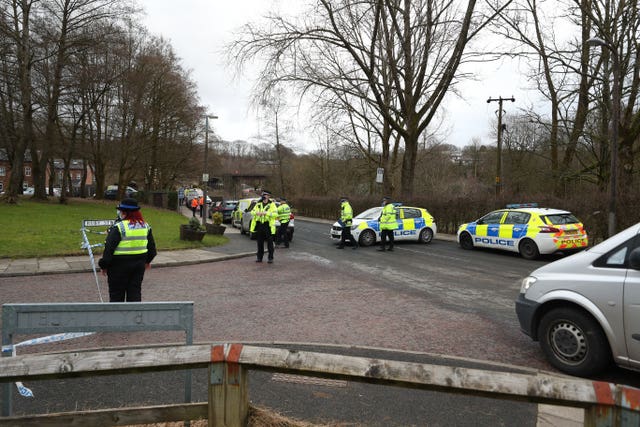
[[425, 300]]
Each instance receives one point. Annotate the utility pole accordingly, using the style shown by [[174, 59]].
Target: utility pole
[[499, 159], [205, 173]]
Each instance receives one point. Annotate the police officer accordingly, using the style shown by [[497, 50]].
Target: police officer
[[346, 217], [388, 223], [263, 223], [284, 214], [128, 251]]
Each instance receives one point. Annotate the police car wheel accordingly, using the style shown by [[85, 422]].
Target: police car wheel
[[367, 238], [426, 235], [573, 342], [466, 242], [528, 249]]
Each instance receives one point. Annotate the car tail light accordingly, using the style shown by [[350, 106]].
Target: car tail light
[[290, 216], [549, 229]]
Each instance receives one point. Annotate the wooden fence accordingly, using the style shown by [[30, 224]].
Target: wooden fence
[[605, 404]]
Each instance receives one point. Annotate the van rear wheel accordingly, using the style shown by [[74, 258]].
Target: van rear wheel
[[574, 342]]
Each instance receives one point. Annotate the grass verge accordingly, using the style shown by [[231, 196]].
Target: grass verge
[[31, 229]]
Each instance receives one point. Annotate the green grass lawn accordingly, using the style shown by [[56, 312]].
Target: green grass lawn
[[42, 229]]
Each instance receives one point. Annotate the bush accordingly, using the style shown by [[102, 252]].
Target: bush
[[217, 218], [194, 224]]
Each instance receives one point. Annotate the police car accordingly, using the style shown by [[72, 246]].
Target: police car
[[413, 224], [526, 229]]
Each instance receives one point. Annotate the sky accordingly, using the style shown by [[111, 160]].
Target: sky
[[199, 29]]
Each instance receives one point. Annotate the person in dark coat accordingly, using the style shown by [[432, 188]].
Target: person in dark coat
[[128, 252]]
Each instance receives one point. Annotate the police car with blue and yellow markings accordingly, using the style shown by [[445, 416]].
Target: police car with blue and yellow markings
[[413, 224], [525, 229]]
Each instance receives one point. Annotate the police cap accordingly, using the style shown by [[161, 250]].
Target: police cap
[[128, 204]]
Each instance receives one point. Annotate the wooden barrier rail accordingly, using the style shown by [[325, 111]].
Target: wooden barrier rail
[[605, 404]]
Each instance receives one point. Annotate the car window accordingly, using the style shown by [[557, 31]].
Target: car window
[[491, 218], [410, 213], [558, 219], [373, 213], [515, 217], [618, 257]]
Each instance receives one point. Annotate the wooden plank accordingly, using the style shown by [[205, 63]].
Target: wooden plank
[[216, 395], [113, 417], [61, 365], [228, 395], [533, 388], [237, 395]]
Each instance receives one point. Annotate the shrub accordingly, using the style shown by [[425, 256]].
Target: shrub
[[217, 218]]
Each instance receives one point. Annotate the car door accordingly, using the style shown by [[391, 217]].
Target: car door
[[512, 229], [632, 310], [487, 229], [406, 219]]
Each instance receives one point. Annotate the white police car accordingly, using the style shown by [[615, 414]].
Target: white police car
[[413, 224], [526, 229]]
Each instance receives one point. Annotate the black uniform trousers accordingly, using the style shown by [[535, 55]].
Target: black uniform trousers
[[346, 234], [124, 276], [384, 234], [282, 236], [263, 232]]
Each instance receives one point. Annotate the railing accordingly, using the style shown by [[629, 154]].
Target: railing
[[605, 404]]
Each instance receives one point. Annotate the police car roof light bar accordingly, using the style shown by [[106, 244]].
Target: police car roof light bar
[[522, 205]]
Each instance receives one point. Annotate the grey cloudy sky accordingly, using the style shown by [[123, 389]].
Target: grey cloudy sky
[[198, 30]]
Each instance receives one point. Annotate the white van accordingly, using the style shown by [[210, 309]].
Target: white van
[[585, 309]]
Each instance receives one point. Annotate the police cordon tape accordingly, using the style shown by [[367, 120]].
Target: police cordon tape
[[25, 391]]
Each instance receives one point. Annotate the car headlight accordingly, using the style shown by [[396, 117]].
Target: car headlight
[[527, 282]]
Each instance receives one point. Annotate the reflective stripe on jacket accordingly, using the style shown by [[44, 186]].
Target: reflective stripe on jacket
[[346, 213], [284, 213], [133, 239], [388, 217], [269, 213]]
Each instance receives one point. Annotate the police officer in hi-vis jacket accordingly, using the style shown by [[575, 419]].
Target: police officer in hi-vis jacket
[[128, 251]]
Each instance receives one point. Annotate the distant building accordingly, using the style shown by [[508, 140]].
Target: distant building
[[75, 170]]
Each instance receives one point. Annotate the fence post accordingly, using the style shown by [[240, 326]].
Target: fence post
[[228, 390]]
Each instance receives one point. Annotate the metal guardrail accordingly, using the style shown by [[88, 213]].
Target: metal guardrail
[[605, 404], [66, 318]]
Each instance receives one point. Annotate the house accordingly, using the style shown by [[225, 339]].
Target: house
[[75, 170]]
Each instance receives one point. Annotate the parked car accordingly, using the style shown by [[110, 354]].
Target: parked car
[[111, 193], [414, 224], [226, 208], [239, 210], [526, 229], [245, 225], [585, 309]]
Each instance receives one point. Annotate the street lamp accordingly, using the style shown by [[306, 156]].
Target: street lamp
[[615, 121], [205, 174]]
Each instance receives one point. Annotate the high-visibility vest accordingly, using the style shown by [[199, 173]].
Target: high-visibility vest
[[388, 217], [346, 213], [284, 213], [133, 239], [201, 201], [194, 203], [270, 213]]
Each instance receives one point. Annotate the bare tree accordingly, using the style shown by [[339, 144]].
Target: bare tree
[[399, 56]]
